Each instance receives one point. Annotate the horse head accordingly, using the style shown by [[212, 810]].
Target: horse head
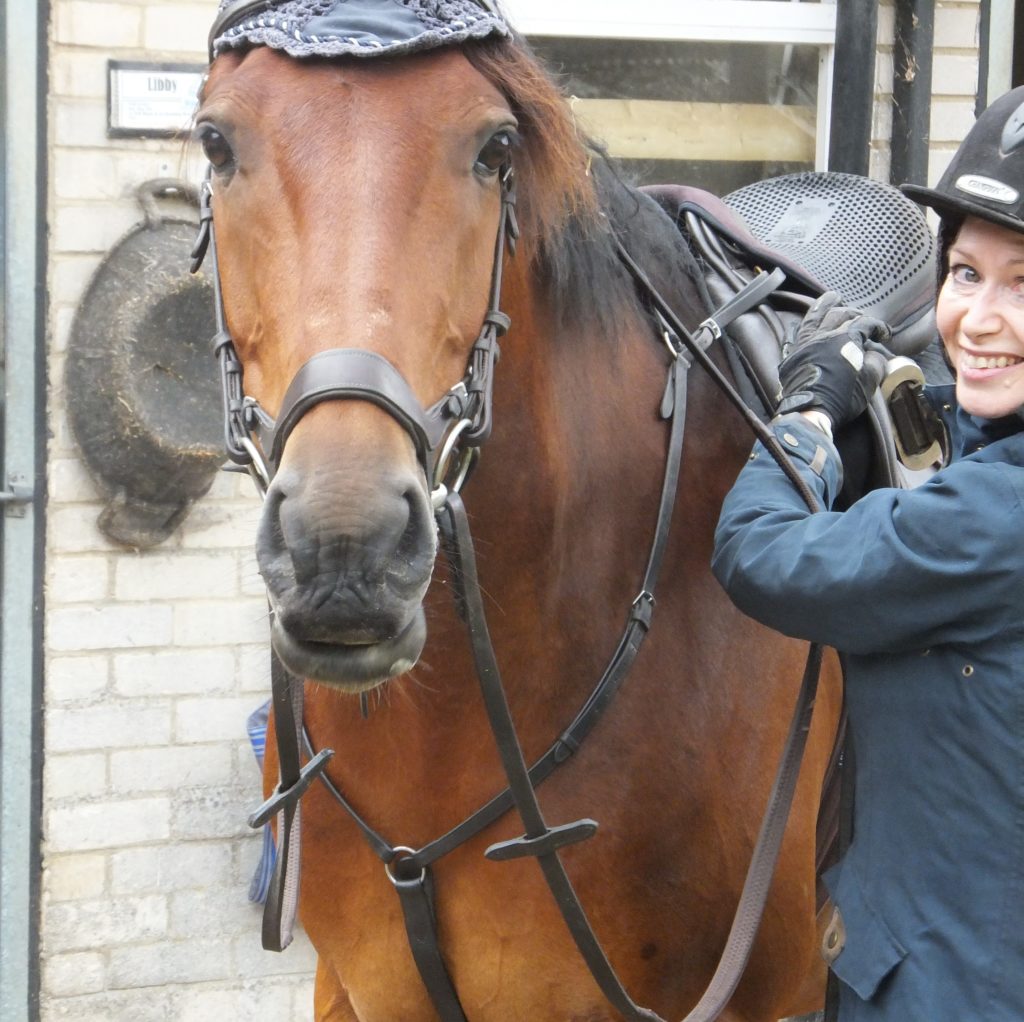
[[360, 206]]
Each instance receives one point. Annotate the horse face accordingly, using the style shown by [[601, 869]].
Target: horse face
[[356, 205]]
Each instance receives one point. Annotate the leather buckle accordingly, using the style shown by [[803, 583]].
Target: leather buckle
[[283, 799], [550, 841]]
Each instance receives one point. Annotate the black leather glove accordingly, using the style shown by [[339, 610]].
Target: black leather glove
[[825, 367]]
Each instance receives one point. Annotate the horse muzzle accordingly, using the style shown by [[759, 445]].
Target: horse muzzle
[[347, 556]]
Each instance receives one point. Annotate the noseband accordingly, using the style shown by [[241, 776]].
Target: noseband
[[447, 435]]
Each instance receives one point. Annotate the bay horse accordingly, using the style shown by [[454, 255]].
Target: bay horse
[[356, 205]]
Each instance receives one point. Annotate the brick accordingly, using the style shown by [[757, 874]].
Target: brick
[[951, 120], [71, 274], [168, 963], [224, 487], [87, 925], [76, 776], [73, 530], [138, 1005], [212, 814], [80, 122], [152, 770], [211, 720], [955, 27], [251, 1002], [173, 672], [110, 626], [68, 975], [108, 726], [955, 74], [176, 27], [214, 525], [181, 867], [252, 583], [254, 669], [77, 877], [107, 26], [63, 317], [78, 580], [107, 824], [223, 910], [76, 678], [90, 227], [78, 73], [85, 174], [168, 576], [938, 161], [252, 960], [212, 623], [69, 482]]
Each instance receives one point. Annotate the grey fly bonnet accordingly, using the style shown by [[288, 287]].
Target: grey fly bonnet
[[360, 28]]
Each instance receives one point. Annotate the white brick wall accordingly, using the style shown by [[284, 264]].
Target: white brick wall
[[154, 659]]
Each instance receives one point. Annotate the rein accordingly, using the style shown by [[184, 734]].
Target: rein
[[447, 437]]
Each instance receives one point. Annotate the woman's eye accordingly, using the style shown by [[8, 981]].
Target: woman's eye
[[216, 148], [495, 154], [964, 274]]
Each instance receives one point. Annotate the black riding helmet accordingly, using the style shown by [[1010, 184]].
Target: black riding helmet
[[986, 177]]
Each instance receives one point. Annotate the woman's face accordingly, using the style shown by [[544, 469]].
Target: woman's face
[[980, 315]]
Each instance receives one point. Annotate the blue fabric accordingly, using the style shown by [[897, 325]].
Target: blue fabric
[[259, 885], [924, 590]]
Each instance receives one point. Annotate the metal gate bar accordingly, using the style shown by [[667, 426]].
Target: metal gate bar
[[22, 304]]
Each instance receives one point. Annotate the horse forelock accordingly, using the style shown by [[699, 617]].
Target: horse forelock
[[573, 201]]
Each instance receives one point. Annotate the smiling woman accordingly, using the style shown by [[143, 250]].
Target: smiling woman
[[924, 591], [980, 314]]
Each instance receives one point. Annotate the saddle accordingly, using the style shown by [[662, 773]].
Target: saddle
[[826, 232]]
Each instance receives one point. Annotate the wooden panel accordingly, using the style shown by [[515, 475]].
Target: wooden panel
[[658, 130]]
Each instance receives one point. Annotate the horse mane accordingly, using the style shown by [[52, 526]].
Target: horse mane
[[572, 201]]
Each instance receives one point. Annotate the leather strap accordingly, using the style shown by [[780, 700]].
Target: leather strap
[[282, 903], [415, 895], [361, 374]]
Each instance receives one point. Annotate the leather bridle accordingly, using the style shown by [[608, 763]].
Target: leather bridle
[[446, 435]]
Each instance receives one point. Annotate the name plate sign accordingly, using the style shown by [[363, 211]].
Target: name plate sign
[[152, 100]]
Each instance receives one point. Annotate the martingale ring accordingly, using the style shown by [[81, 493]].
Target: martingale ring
[[402, 854]]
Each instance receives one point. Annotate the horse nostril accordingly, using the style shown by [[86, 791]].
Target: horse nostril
[[416, 545], [270, 540]]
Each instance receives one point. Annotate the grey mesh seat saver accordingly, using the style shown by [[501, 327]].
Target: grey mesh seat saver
[[857, 236]]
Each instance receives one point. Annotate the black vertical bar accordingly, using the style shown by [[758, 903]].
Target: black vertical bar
[[984, 45], [853, 88], [1018, 43], [43, 13], [912, 91]]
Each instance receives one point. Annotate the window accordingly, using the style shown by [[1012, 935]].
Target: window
[[714, 94]]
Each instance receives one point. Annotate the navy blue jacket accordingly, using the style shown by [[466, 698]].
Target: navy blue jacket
[[924, 591]]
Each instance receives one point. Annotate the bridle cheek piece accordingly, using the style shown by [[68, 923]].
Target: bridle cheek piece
[[447, 435]]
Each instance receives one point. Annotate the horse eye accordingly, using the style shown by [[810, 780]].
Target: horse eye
[[216, 148], [495, 154]]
